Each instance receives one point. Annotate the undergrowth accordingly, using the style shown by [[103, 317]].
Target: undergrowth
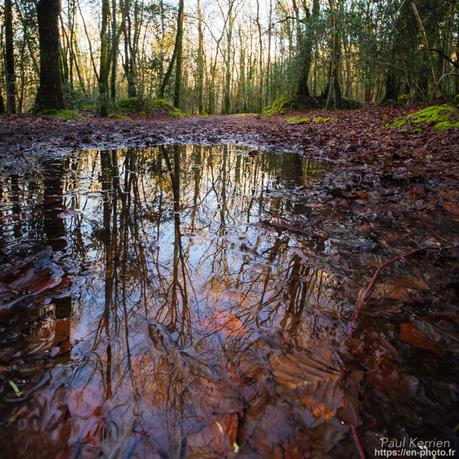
[[282, 104]]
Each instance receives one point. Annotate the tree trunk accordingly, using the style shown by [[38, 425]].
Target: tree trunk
[[260, 61], [456, 84], [178, 65], [228, 59], [104, 60], [50, 95], [9, 59], [200, 60], [436, 89], [306, 45], [334, 99], [115, 39], [392, 86], [2, 105]]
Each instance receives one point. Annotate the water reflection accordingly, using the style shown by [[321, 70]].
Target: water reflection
[[161, 343]]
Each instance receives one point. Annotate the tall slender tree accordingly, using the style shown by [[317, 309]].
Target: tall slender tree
[[334, 99], [9, 59], [104, 64], [200, 81], [179, 56]]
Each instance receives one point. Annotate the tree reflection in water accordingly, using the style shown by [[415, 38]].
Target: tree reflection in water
[[180, 299]]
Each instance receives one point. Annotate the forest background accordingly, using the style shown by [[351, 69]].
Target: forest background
[[225, 56]]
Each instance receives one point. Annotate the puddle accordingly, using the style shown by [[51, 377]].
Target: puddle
[[152, 302], [152, 306]]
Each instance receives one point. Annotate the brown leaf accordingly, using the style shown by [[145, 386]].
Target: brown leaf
[[401, 288], [314, 379], [410, 334], [451, 207]]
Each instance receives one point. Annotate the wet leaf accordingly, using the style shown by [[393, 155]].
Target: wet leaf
[[401, 288], [315, 381], [410, 334]]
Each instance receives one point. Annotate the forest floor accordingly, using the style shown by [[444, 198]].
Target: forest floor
[[395, 193], [356, 136]]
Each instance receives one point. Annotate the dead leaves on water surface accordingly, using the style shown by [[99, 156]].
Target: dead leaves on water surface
[[438, 333], [314, 380], [400, 288], [270, 399], [32, 280]]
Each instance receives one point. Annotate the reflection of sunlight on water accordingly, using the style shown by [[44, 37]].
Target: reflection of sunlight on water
[[173, 281]]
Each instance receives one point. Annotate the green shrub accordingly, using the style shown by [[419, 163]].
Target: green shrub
[[456, 100]]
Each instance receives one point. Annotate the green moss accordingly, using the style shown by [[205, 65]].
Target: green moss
[[434, 114], [403, 99], [175, 112], [444, 125], [397, 123], [321, 119], [119, 116], [147, 107], [306, 119], [276, 107], [298, 120], [439, 117], [63, 114]]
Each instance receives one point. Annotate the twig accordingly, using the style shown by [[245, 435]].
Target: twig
[[371, 286], [357, 443]]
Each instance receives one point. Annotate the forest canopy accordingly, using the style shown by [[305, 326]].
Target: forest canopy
[[225, 56]]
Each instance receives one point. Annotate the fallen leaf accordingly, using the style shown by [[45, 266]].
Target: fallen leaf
[[315, 380], [410, 334], [400, 288]]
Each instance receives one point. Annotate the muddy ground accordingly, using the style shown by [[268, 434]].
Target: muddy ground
[[395, 196]]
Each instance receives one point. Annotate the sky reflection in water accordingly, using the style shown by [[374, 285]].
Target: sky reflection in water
[[162, 344]]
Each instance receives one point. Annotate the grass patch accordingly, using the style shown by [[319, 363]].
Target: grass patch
[[307, 119], [438, 117]]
